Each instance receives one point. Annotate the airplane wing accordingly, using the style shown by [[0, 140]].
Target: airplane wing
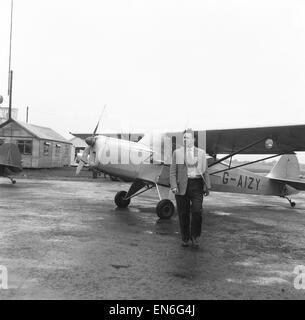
[[285, 140]]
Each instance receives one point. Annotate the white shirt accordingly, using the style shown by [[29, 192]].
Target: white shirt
[[192, 163]]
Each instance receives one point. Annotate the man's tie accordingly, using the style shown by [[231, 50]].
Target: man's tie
[[190, 157]]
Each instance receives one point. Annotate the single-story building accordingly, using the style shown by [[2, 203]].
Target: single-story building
[[40, 147], [78, 146]]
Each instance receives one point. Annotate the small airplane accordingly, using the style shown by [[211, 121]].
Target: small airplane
[[10, 160], [152, 157]]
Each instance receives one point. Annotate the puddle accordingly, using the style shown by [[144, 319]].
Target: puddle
[[222, 213], [162, 233], [181, 275], [133, 244], [148, 232]]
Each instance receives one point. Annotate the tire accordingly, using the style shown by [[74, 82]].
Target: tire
[[120, 201], [165, 209]]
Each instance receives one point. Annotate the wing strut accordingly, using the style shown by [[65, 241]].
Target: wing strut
[[248, 163], [146, 188], [238, 151]]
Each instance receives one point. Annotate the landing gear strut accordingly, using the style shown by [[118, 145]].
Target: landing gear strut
[[292, 203], [164, 209], [12, 179], [285, 195]]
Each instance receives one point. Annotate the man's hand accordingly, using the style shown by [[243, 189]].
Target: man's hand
[[207, 192], [174, 190]]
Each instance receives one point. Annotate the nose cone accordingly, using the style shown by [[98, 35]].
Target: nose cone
[[90, 141]]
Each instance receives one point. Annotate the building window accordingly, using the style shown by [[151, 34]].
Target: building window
[[46, 147], [57, 149], [25, 146]]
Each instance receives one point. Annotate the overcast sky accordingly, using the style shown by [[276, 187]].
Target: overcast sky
[[156, 64]]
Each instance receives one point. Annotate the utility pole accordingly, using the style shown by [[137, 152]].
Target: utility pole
[[10, 72], [10, 95]]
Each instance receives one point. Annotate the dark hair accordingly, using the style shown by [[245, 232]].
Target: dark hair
[[188, 130]]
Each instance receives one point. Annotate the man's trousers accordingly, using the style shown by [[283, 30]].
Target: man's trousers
[[189, 207]]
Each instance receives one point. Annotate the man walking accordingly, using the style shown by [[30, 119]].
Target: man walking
[[189, 181]]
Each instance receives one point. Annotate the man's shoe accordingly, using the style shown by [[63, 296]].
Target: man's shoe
[[195, 242], [184, 243]]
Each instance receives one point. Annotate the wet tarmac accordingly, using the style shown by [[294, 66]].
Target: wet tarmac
[[67, 240]]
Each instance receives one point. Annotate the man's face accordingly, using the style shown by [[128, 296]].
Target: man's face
[[188, 139]]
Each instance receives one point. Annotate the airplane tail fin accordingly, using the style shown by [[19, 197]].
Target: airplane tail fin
[[287, 171], [286, 168]]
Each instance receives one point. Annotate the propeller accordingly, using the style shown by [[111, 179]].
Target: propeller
[[90, 141], [83, 160]]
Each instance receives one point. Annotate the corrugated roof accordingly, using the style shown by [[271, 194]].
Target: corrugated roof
[[42, 132]]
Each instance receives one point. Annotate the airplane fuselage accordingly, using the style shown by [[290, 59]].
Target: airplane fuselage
[[244, 181]]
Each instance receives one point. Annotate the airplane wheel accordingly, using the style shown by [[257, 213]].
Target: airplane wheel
[[120, 201], [165, 209], [292, 204], [112, 178], [13, 181]]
